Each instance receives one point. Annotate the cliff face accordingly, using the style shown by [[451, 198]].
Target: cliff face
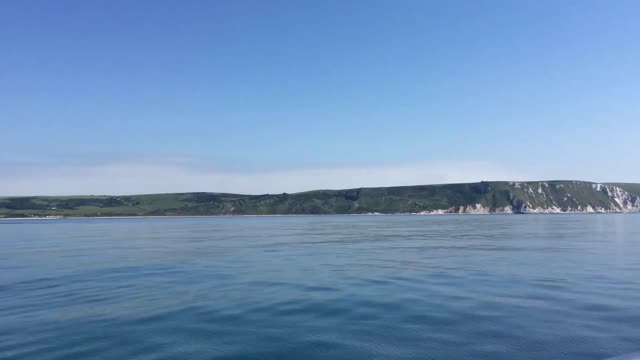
[[537, 197], [552, 198], [574, 197]]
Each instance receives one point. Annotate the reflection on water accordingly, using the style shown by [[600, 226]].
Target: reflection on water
[[345, 287]]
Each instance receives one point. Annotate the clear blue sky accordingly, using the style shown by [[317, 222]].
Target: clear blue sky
[[533, 88]]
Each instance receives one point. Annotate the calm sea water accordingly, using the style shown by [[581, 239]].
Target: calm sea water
[[321, 287]]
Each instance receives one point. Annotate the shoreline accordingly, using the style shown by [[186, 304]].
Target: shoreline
[[306, 215]]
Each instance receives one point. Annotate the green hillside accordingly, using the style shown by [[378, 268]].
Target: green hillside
[[482, 197]]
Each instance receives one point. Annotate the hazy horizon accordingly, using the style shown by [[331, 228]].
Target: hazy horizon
[[183, 177]]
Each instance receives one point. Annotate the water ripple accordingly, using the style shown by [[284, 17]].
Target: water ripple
[[334, 287]]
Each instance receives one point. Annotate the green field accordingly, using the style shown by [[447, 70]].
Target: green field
[[521, 197]]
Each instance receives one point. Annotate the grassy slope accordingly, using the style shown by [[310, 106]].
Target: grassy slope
[[405, 199]]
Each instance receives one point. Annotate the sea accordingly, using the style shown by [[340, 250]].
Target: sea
[[321, 287]]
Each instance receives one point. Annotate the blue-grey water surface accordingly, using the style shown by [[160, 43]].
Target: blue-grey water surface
[[321, 287]]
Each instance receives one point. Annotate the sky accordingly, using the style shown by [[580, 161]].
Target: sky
[[123, 97]]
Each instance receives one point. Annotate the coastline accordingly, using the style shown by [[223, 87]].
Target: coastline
[[312, 215], [483, 198]]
